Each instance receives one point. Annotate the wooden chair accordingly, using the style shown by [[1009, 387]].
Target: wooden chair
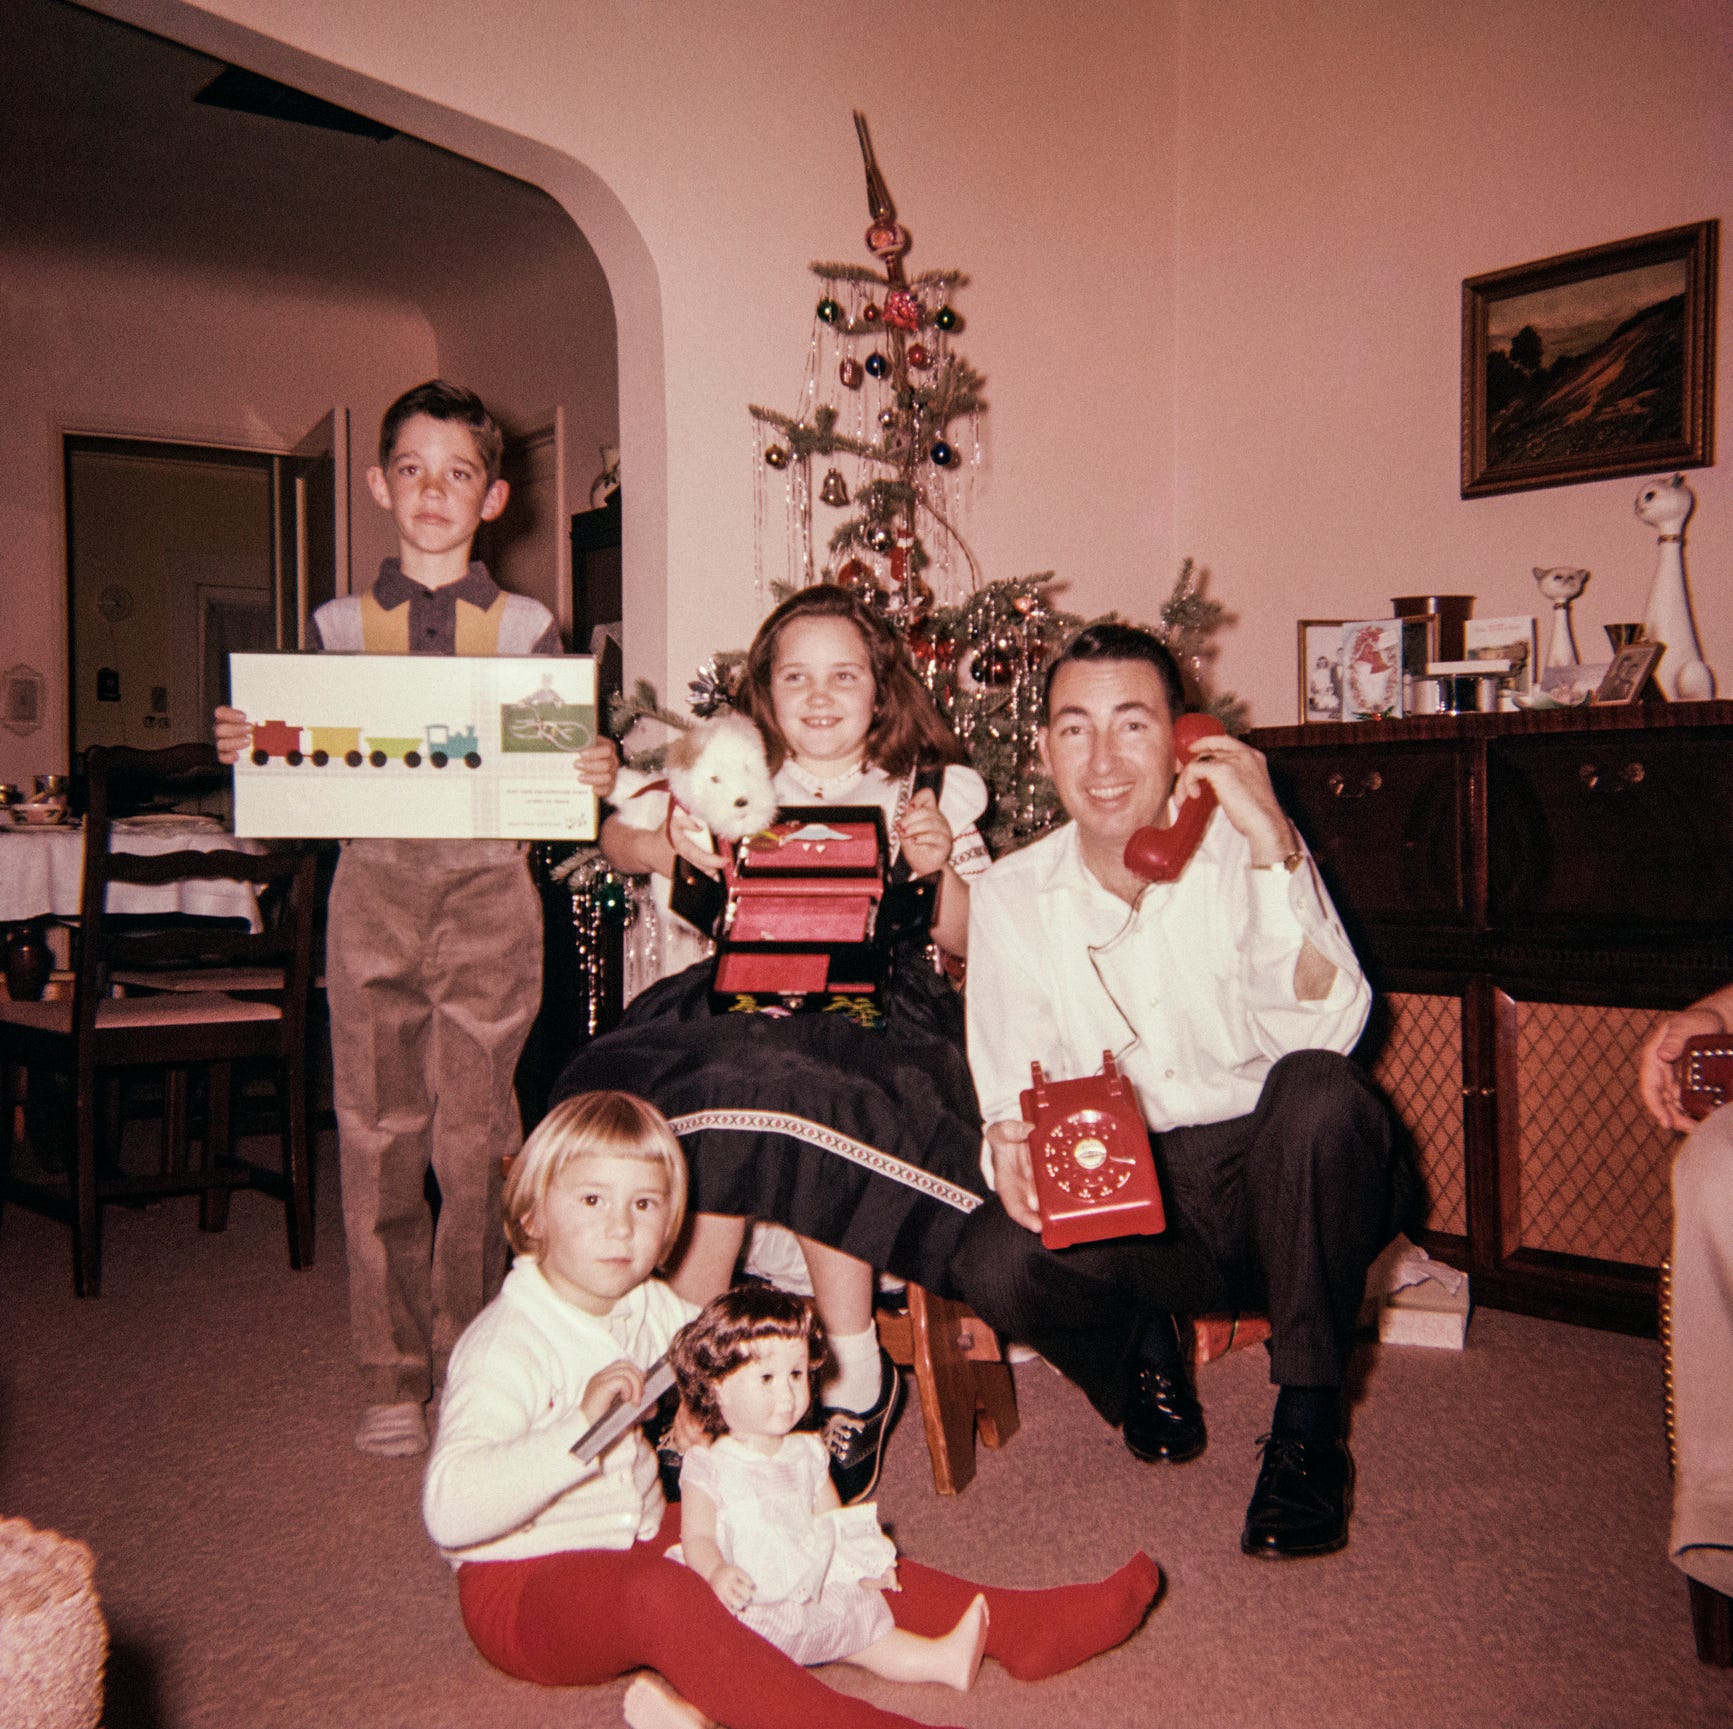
[[1711, 1610], [961, 1377], [93, 1033]]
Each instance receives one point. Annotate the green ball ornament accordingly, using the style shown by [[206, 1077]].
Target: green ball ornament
[[946, 318], [828, 311], [614, 902]]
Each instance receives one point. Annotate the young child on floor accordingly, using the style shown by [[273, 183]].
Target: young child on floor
[[433, 951], [759, 1515], [563, 1575], [863, 1141]]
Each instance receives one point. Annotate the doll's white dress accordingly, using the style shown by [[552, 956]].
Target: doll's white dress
[[805, 1566]]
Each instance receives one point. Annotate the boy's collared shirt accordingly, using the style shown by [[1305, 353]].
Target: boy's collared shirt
[[473, 615]]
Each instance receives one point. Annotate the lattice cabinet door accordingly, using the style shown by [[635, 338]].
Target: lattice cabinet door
[[1593, 1170], [1419, 1067]]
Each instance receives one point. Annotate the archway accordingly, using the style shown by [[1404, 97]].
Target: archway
[[605, 223]]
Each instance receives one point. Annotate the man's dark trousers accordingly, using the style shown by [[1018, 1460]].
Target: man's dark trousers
[[1281, 1211]]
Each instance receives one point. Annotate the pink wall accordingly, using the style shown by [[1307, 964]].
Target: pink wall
[[1343, 167], [1217, 248], [104, 344], [1030, 145]]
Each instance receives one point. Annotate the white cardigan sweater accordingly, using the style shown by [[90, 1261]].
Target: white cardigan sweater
[[501, 1483]]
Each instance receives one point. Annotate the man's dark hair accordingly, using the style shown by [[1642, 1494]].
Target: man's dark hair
[[1111, 640], [441, 401]]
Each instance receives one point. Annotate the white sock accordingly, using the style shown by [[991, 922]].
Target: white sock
[[853, 1383]]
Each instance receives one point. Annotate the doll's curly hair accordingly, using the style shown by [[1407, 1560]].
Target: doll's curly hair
[[706, 1351]]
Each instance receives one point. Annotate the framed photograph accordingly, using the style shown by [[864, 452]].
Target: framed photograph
[[1629, 673], [1320, 648], [1511, 639], [1591, 364], [21, 700], [1372, 668]]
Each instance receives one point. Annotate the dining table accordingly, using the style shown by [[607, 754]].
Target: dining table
[[42, 869]]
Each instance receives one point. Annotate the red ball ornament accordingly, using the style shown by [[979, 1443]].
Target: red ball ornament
[[887, 239], [870, 313], [857, 577], [851, 373], [918, 357]]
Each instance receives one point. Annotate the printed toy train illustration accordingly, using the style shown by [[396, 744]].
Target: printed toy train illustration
[[542, 722], [437, 745]]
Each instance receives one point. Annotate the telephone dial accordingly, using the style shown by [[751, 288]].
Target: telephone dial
[[1094, 1175]]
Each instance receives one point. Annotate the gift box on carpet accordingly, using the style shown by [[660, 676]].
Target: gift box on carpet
[[1416, 1300]]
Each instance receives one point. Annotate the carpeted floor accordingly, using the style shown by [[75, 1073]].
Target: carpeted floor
[[193, 1426]]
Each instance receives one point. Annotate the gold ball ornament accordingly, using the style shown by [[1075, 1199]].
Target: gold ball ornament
[[776, 456]]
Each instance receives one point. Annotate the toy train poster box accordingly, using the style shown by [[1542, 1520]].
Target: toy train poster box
[[805, 914], [433, 747]]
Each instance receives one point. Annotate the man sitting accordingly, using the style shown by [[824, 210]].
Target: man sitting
[[1227, 998]]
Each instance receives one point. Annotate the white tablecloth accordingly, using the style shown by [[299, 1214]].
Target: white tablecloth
[[42, 871]]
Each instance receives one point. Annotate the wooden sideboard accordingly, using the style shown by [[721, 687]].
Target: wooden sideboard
[[1529, 893]]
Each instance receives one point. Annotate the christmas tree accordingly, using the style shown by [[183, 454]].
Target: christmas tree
[[888, 395]]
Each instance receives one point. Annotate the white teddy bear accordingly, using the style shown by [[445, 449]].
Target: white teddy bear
[[716, 770]]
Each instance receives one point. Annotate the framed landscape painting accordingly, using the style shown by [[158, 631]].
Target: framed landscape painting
[[1591, 364]]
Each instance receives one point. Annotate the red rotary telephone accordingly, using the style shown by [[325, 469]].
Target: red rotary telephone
[[1158, 855]]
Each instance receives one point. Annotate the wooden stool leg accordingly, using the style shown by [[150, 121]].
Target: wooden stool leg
[[945, 1379]]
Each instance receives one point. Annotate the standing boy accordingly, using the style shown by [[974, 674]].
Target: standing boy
[[433, 948]]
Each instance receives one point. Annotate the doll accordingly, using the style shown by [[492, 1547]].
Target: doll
[[760, 1517]]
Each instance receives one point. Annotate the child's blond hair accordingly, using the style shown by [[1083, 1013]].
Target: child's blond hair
[[592, 1126]]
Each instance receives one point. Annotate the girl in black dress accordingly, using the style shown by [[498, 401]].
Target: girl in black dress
[[862, 1140]]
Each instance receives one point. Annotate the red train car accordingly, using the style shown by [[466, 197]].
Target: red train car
[[276, 738]]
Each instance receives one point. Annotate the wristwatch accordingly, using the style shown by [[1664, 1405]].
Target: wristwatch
[[1290, 864]]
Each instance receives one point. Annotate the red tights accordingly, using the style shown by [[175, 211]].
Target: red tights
[[589, 1615]]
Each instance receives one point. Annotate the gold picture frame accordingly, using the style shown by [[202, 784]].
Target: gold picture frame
[[1320, 665], [1591, 364], [1629, 674]]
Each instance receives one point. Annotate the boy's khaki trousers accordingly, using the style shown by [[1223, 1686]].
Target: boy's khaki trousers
[[433, 970]]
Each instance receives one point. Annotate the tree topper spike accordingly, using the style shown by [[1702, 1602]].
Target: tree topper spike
[[879, 204], [886, 239]]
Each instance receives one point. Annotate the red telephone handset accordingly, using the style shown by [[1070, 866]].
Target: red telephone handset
[[1158, 855]]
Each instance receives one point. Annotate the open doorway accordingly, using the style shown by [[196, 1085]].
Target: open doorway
[[178, 555]]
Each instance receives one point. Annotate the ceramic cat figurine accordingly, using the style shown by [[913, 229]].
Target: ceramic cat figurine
[[1561, 584], [1667, 505]]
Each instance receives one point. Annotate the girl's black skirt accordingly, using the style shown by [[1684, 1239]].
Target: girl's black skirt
[[865, 1138]]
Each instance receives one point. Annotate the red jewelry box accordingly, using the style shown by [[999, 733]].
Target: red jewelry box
[[808, 912], [1705, 1070], [1094, 1173]]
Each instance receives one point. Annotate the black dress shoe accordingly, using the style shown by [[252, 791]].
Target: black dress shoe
[[856, 1440], [1163, 1420], [1301, 1502]]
